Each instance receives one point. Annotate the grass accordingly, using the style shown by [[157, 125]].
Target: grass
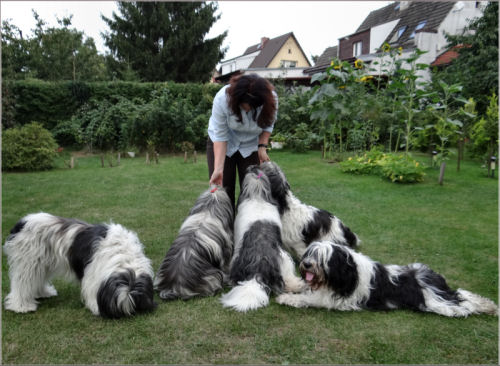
[[452, 228]]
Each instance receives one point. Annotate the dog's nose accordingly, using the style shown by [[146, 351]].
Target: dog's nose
[[306, 265]]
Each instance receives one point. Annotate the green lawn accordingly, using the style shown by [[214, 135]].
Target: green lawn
[[452, 228]]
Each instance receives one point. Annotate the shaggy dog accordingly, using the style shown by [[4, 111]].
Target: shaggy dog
[[303, 224], [259, 264], [107, 259], [197, 261], [342, 279]]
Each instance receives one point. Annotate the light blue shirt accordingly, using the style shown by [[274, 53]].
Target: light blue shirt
[[240, 136]]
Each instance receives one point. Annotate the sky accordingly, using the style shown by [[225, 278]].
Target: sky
[[317, 25]]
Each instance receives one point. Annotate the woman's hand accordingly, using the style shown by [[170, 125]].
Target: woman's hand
[[263, 157], [216, 177]]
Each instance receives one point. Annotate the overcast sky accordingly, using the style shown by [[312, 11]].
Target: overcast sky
[[316, 24]]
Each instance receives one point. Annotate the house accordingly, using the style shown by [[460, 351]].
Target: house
[[409, 25], [277, 58], [324, 60]]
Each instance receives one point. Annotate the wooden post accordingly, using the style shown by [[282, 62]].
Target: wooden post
[[185, 156], [118, 159], [441, 173], [72, 162], [156, 157], [102, 161], [195, 156], [147, 157]]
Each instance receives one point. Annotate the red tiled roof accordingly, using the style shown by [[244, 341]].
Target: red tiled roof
[[448, 56]]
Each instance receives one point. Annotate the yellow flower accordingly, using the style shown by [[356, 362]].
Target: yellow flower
[[337, 67], [400, 177], [331, 63], [358, 64], [350, 158], [416, 164], [386, 47], [342, 87], [366, 78], [400, 51]]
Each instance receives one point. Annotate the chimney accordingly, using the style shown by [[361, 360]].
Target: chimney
[[404, 5], [263, 42]]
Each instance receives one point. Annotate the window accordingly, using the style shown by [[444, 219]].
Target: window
[[401, 30], [287, 63], [357, 48], [289, 50], [418, 27], [396, 8]]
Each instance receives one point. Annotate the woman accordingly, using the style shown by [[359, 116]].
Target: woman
[[243, 116]]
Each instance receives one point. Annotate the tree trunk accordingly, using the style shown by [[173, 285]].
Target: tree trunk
[[441, 173]]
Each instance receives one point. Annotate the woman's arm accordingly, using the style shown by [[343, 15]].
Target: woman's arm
[[220, 148], [262, 151]]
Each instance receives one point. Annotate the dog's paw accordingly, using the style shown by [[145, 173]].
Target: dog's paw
[[288, 299], [297, 285], [20, 307], [48, 291]]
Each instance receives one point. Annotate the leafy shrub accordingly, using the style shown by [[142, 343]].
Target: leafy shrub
[[302, 139], [30, 148], [396, 167]]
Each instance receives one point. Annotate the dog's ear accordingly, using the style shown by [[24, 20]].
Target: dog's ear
[[342, 273]]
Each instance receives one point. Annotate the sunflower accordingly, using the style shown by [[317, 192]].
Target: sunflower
[[386, 47], [358, 64], [400, 51]]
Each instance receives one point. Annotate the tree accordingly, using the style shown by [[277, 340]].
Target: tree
[[14, 52], [165, 40], [55, 53], [476, 68], [62, 54]]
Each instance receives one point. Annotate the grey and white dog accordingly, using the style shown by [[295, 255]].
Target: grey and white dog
[[340, 278], [197, 262], [107, 259], [259, 265], [303, 224]]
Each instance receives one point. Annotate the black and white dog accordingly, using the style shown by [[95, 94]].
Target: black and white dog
[[342, 279], [116, 277], [303, 224], [198, 260], [259, 265]]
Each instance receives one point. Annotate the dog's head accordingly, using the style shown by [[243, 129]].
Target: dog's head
[[331, 265], [279, 184], [256, 185]]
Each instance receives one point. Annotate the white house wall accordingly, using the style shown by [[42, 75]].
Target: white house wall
[[379, 33], [456, 21], [238, 63]]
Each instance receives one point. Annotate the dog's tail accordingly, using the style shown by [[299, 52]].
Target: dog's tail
[[125, 294], [476, 304], [440, 299], [247, 295]]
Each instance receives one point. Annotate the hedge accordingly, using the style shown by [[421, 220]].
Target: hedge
[[25, 101]]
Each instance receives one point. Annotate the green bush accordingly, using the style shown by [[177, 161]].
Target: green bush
[[397, 168], [30, 148]]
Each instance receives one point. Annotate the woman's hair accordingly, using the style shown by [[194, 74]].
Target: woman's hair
[[256, 91]]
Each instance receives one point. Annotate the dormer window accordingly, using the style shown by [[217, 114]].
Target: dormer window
[[418, 27], [401, 30], [396, 8]]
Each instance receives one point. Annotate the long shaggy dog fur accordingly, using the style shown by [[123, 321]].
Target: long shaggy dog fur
[[342, 279], [259, 265], [107, 259], [198, 260], [303, 224]]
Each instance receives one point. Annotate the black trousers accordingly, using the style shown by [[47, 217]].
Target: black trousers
[[231, 164]]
